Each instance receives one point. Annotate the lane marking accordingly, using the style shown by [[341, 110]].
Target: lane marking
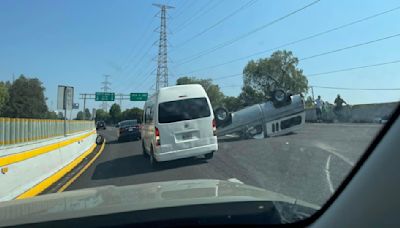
[[334, 152], [327, 172], [37, 189], [234, 180], [18, 157], [69, 182]]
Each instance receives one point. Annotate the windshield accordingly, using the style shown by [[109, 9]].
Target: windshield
[[187, 109], [282, 96], [128, 123]]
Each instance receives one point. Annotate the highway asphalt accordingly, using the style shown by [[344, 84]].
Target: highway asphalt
[[307, 165]]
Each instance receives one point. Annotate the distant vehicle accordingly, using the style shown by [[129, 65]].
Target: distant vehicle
[[281, 114], [117, 125], [100, 125], [128, 129], [178, 122]]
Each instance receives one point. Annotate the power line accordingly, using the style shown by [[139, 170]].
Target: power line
[[227, 43], [334, 88], [203, 10], [321, 73], [138, 63], [352, 68], [182, 8], [350, 47], [135, 49], [146, 78], [342, 49], [298, 40], [343, 88], [246, 5]]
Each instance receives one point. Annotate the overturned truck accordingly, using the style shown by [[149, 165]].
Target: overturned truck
[[281, 114]]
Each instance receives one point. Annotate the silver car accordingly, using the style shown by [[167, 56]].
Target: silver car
[[283, 113]]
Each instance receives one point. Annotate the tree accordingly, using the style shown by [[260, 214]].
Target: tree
[[133, 113], [278, 71], [115, 113], [212, 90], [88, 116], [60, 115], [79, 115], [26, 99], [102, 115], [3, 97], [51, 115], [232, 103], [249, 96]]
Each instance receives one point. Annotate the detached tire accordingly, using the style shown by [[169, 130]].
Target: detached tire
[[99, 140]]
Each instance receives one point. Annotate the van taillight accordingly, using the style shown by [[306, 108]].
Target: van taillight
[[214, 126], [157, 133]]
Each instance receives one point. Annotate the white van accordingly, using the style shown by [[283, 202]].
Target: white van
[[178, 122]]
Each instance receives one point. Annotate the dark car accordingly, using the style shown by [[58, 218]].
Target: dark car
[[100, 125], [129, 129]]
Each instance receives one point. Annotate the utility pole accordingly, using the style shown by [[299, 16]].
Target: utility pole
[[162, 60], [84, 106], [120, 99], [105, 88]]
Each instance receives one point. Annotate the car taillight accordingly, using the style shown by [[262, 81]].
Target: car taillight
[[157, 133], [214, 126]]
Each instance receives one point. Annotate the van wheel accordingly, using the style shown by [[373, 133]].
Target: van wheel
[[209, 155], [144, 150], [153, 162]]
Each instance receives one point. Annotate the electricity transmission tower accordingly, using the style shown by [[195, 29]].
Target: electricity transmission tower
[[105, 88], [162, 60]]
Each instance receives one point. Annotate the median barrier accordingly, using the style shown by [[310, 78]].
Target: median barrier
[[37, 159]]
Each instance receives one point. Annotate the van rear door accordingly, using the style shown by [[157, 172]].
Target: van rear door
[[185, 123]]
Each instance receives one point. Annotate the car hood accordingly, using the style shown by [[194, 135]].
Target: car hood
[[112, 199]]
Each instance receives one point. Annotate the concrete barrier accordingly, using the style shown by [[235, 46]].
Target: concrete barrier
[[28, 169], [363, 113]]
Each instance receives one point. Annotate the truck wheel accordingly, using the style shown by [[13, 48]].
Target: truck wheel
[[153, 162], [209, 155], [145, 154]]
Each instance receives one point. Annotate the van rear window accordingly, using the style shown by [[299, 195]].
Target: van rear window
[[188, 109]]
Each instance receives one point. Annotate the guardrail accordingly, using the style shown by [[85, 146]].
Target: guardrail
[[18, 130]]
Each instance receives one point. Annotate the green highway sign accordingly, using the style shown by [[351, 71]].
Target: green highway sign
[[104, 96], [139, 96]]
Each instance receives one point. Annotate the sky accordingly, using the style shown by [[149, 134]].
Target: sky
[[76, 43]]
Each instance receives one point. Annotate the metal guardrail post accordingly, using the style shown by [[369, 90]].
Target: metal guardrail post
[[22, 130], [2, 132], [7, 131]]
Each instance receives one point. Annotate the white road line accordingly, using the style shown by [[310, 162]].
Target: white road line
[[333, 151], [328, 176], [234, 180]]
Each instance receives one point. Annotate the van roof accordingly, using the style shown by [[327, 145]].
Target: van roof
[[181, 92]]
